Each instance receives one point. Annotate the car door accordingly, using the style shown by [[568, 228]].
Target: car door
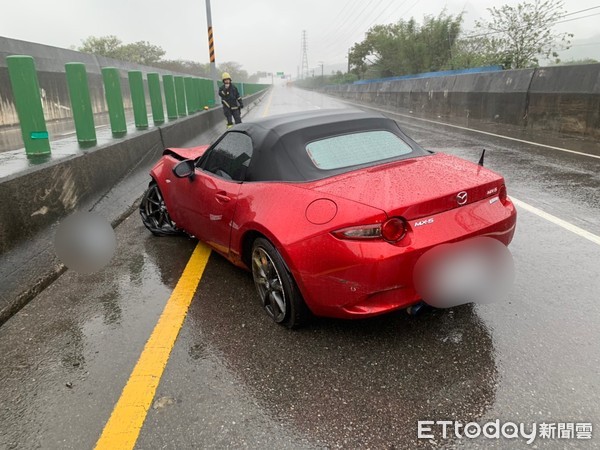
[[213, 194]]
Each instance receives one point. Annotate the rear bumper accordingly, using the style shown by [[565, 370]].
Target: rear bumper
[[356, 279]]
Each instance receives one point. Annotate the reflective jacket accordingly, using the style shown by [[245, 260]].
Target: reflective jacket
[[230, 97]]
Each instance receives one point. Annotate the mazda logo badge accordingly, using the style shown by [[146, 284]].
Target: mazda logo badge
[[461, 198]]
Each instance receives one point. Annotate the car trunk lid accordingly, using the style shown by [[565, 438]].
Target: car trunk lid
[[416, 187]]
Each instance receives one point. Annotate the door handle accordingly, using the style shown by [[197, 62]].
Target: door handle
[[222, 197]]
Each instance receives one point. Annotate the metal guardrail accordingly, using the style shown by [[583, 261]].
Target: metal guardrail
[[183, 96]]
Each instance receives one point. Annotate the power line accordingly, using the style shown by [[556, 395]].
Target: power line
[[342, 18], [343, 35], [342, 31], [351, 30], [398, 8], [580, 11], [412, 6], [527, 26], [381, 13], [343, 26], [577, 18], [363, 10]]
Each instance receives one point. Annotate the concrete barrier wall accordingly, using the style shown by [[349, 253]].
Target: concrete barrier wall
[[34, 199], [41, 196], [564, 99], [50, 64]]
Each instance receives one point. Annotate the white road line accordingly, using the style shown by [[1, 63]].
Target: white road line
[[477, 131], [560, 222]]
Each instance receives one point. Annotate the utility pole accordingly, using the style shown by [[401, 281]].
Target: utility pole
[[348, 60], [304, 55], [321, 64], [211, 51]]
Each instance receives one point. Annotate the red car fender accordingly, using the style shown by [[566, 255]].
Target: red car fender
[[289, 224]]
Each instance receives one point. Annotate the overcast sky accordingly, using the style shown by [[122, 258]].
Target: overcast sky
[[259, 34]]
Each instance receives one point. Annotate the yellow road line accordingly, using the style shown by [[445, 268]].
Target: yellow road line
[[123, 427], [268, 105]]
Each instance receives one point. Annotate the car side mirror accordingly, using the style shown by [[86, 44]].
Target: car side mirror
[[185, 169]]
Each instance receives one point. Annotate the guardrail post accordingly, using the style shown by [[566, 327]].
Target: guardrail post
[[114, 99], [196, 97], [180, 95], [189, 94], [241, 89], [158, 113], [81, 105], [209, 93], [198, 91], [170, 98], [197, 105], [203, 93], [26, 91], [138, 99]]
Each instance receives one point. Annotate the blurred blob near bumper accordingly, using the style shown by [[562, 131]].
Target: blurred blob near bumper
[[477, 270]]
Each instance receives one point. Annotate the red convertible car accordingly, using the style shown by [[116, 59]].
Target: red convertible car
[[329, 210]]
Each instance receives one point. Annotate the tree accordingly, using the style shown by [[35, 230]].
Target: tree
[[471, 52], [517, 36], [256, 76], [406, 47], [143, 52], [185, 66], [140, 52], [234, 69], [104, 46]]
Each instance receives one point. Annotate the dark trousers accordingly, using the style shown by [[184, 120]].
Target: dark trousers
[[232, 113]]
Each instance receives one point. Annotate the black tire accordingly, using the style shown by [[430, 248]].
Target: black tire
[[154, 213], [276, 287]]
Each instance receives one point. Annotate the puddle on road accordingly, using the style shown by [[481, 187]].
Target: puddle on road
[[346, 383], [73, 347]]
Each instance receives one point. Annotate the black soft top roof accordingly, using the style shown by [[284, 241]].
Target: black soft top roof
[[280, 141]]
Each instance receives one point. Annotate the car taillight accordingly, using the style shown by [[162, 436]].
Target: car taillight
[[392, 230], [502, 194], [360, 232]]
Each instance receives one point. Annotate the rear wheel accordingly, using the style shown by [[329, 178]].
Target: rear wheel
[[154, 213], [276, 288]]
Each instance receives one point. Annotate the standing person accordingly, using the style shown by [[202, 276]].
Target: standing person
[[231, 100]]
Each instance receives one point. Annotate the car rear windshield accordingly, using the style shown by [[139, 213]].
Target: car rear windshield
[[356, 149]]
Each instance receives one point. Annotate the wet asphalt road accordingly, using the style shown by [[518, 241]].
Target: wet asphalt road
[[236, 380]]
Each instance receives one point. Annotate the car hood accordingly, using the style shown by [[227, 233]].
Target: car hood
[[417, 187], [186, 153]]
